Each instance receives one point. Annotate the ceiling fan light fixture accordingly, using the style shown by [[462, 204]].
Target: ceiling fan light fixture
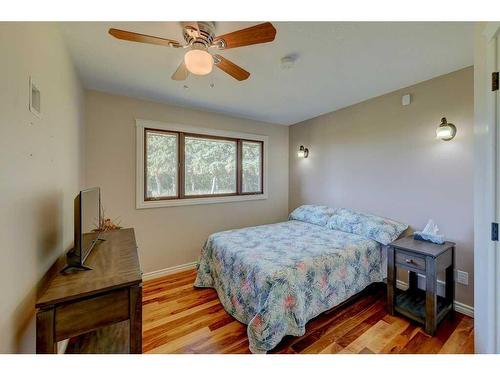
[[199, 37], [199, 62]]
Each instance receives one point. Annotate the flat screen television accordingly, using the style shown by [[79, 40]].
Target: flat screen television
[[87, 210]]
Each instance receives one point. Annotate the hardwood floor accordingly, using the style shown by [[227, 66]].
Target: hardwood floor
[[177, 318]]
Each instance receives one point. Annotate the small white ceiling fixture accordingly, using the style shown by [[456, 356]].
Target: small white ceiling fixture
[[287, 62], [341, 63]]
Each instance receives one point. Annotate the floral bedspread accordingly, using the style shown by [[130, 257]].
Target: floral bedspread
[[277, 277]]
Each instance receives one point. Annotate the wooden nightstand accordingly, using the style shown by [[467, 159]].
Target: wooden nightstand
[[420, 257]]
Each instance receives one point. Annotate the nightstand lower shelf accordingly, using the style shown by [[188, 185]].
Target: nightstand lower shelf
[[411, 303]]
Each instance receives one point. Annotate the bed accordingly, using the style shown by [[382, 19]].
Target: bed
[[275, 278]]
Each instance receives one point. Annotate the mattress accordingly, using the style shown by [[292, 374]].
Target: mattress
[[277, 277]]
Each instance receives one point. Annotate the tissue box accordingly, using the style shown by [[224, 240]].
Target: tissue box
[[434, 238]]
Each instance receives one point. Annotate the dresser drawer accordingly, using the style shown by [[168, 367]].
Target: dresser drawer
[[88, 314], [409, 260]]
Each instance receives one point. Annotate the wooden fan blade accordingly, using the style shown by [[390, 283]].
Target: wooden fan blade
[[181, 73], [263, 33], [230, 68], [142, 38]]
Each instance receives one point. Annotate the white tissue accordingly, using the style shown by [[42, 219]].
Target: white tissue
[[430, 233], [431, 228]]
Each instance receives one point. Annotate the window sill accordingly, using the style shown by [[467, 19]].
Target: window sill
[[194, 201]]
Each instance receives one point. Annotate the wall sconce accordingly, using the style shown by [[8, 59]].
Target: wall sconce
[[445, 130], [303, 152]]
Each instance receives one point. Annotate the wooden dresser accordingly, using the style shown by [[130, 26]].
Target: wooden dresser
[[85, 301]]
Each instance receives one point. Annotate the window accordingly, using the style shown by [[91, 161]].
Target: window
[[209, 165], [252, 167], [161, 164], [184, 165]]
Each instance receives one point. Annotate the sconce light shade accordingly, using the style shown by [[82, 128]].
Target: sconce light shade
[[303, 152], [445, 130]]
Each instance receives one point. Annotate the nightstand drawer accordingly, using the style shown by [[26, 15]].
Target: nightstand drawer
[[410, 260]]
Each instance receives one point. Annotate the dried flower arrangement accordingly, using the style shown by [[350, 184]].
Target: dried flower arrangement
[[106, 224]]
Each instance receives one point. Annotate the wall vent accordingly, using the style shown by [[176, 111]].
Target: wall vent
[[35, 99]]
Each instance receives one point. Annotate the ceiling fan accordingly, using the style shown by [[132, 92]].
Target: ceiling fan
[[200, 38]]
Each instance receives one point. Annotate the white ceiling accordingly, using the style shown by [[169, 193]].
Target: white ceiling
[[339, 64]]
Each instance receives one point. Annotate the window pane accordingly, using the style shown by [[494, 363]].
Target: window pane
[[252, 167], [210, 166], [161, 167]]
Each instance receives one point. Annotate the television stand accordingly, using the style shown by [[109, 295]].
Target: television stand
[[82, 302]]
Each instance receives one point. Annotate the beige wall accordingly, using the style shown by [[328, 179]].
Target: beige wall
[[41, 170], [171, 236], [381, 157]]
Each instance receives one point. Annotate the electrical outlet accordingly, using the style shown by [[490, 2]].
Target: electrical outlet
[[462, 277]]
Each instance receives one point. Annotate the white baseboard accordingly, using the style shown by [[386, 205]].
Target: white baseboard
[[463, 308], [168, 271], [457, 306]]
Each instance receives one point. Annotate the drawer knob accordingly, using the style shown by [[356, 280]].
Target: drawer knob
[[410, 261]]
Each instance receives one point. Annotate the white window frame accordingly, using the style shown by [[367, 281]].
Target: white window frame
[[142, 124]]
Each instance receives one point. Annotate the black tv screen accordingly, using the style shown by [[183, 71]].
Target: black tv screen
[[90, 216], [87, 207]]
